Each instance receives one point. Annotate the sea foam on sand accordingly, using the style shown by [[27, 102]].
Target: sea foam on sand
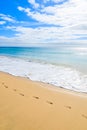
[[61, 76]]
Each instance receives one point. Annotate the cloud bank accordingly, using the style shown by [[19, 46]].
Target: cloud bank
[[58, 21]]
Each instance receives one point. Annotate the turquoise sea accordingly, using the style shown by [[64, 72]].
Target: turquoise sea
[[64, 66]]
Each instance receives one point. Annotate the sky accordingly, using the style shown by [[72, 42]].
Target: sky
[[43, 22]]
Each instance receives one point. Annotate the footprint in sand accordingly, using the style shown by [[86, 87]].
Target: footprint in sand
[[2, 83], [49, 102], [35, 97], [84, 116], [14, 90], [21, 94], [69, 107], [5, 86]]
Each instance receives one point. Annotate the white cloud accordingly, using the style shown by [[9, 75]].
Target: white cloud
[[7, 18], [36, 5], [48, 34], [20, 8], [71, 16], [55, 1], [2, 22], [67, 14]]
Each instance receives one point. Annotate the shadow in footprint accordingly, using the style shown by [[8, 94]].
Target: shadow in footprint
[[69, 107], [14, 90], [49, 102], [84, 116], [21, 94], [5, 86], [3, 83], [35, 97]]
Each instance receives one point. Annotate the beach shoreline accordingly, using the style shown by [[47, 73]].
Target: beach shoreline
[[48, 85], [26, 104], [65, 77]]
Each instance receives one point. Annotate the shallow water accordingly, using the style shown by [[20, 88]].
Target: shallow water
[[61, 66]]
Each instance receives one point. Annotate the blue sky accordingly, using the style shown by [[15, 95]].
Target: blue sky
[[42, 22]]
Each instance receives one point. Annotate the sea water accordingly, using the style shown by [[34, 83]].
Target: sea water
[[64, 66]]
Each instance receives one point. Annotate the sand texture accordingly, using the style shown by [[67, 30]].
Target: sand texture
[[28, 105]]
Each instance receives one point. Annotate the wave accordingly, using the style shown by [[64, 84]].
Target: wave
[[61, 76]]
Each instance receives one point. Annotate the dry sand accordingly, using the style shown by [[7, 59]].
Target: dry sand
[[27, 105]]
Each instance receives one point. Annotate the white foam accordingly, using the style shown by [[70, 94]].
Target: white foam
[[56, 75]]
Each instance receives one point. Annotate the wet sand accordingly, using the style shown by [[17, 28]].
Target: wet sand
[[28, 105]]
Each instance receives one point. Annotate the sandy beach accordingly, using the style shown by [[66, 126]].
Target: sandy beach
[[28, 105]]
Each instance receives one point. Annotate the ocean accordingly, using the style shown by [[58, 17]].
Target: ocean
[[63, 66]]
